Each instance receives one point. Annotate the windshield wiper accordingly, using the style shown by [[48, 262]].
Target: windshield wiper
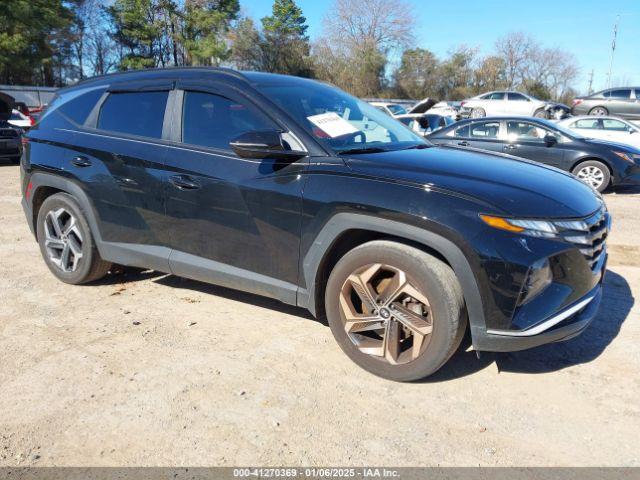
[[418, 146], [362, 150]]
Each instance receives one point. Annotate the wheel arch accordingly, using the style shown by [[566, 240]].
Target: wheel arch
[[592, 159], [45, 185], [345, 231]]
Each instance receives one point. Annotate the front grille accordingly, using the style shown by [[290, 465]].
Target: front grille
[[589, 234], [8, 133]]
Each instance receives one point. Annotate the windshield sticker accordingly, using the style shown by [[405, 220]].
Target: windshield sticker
[[332, 124]]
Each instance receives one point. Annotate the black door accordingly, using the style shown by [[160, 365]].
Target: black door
[[119, 159], [485, 135], [527, 140], [232, 221]]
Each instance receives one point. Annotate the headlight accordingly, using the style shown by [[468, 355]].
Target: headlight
[[533, 228], [629, 157]]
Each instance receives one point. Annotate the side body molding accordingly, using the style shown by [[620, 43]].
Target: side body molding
[[342, 222]]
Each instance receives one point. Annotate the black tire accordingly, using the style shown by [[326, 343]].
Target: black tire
[[599, 111], [594, 164], [478, 113], [433, 276], [540, 113], [90, 266]]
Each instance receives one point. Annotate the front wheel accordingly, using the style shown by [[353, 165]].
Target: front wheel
[[395, 310], [66, 242], [478, 113], [593, 173], [540, 113]]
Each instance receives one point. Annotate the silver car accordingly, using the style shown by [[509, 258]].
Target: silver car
[[621, 102], [503, 103]]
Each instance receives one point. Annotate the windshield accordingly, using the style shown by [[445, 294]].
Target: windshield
[[396, 109], [340, 121]]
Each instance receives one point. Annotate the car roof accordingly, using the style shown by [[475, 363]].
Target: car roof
[[194, 73]]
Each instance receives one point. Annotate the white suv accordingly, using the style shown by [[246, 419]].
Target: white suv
[[503, 103]]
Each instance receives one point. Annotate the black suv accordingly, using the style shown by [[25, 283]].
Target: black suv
[[292, 189]]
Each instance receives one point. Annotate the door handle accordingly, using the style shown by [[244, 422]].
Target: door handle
[[81, 161], [510, 147], [464, 144], [184, 182]]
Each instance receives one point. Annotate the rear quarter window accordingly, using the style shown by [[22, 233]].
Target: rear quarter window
[[78, 109]]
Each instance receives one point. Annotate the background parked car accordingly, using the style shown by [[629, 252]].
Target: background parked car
[[595, 162], [19, 119], [392, 109], [426, 123], [622, 102], [35, 98], [503, 103], [605, 128], [10, 136]]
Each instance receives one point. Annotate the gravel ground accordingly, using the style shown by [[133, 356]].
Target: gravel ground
[[147, 369]]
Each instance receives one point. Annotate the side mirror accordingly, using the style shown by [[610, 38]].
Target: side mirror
[[550, 140], [263, 144]]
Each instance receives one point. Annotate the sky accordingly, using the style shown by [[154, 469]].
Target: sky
[[582, 27]]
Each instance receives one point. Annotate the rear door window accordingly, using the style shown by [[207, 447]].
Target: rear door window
[[486, 130], [587, 123], [214, 121], [518, 97], [462, 132], [134, 113], [620, 94]]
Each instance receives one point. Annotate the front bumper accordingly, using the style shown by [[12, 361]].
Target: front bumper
[[563, 325]]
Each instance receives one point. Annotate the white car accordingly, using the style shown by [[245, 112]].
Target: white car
[[605, 128], [18, 119], [392, 109], [503, 103]]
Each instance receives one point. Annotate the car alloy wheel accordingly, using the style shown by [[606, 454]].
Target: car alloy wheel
[[63, 240], [385, 315], [591, 175], [598, 111], [478, 113]]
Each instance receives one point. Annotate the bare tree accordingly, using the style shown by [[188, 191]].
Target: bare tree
[[381, 24], [514, 49]]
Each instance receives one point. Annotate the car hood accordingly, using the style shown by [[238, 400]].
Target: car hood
[[422, 106], [514, 186], [624, 147]]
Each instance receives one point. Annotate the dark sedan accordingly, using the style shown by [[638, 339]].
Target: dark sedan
[[620, 102], [598, 163]]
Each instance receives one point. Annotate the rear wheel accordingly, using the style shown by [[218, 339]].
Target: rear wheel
[[593, 173], [599, 111], [478, 113], [66, 243], [395, 310]]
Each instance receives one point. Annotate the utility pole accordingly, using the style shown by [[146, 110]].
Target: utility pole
[[590, 91], [613, 47]]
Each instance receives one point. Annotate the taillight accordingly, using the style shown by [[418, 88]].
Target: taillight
[[462, 104], [577, 101], [32, 121], [27, 192]]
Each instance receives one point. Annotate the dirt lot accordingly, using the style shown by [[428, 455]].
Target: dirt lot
[[149, 369]]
